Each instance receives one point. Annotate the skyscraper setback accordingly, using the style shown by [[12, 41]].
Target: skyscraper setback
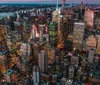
[[89, 18]]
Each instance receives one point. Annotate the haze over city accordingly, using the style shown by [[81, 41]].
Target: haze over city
[[52, 1]]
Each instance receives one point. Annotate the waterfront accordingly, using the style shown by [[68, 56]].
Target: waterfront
[[5, 14]]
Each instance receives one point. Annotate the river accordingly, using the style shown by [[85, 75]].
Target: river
[[5, 14]]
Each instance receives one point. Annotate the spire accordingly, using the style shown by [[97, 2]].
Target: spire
[[63, 4], [57, 5]]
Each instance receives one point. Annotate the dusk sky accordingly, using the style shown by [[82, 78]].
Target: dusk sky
[[53, 1]]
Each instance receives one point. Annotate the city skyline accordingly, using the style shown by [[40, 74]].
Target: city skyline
[[52, 1]]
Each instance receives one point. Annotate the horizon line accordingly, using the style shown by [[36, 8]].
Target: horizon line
[[37, 2]]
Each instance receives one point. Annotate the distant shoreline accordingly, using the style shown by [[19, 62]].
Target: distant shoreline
[[27, 4], [5, 14], [38, 4]]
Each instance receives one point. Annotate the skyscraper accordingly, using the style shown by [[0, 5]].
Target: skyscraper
[[53, 34], [43, 61], [41, 27], [63, 4], [81, 11], [35, 48], [89, 18], [34, 31], [25, 49], [36, 75], [98, 43], [3, 48], [91, 55], [68, 27], [78, 34], [71, 72]]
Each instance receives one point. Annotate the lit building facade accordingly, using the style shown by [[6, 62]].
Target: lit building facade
[[71, 72], [43, 61], [98, 44], [63, 4], [89, 18], [68, 27], [91, 55], [53, 34], [38, 31], [97, 22], [35, 53], [3, 48], [78, 34], [55, 16], [41, 28], [36, 75], [91, 42], [25, 50]]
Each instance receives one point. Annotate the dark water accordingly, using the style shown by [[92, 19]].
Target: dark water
[[5, 14], [28, 4]]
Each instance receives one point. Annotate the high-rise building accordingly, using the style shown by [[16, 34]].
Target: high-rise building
[[91, 42], [41, 27], [63, 81], [86, 7], [97, 59], [68, 27], [98, 43], [35, 53], [91, 55], [74, 61], [2, 63], [71, 72], [81, 11], [36, 75], [69, 82], [89, 18], [3, 48], [97, 23], [53, 34], [34, 32], [81, 6], [79, 72], [55, 16], [25, 50], [43, 61], [78, 34], [63, 4]]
